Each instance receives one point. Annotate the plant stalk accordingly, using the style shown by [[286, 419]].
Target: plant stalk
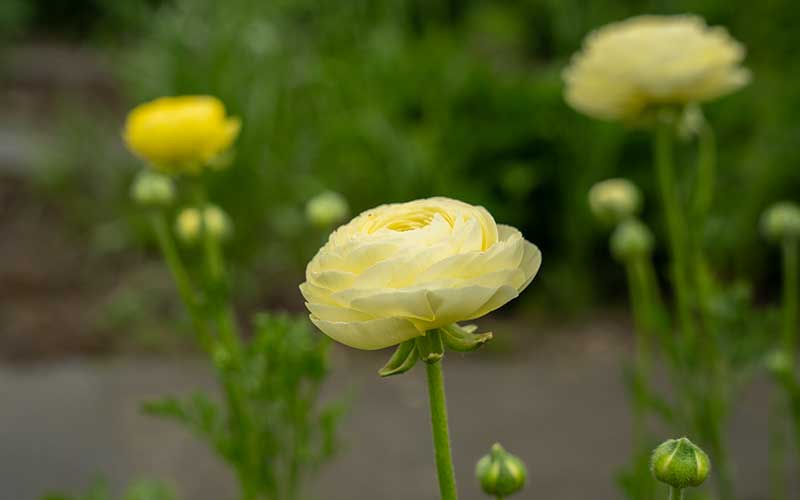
[[675, 493], [441, 432], [676, 224], [180, 277]]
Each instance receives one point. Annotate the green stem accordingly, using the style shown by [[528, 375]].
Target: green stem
[[790, 306], [790, 316], [180, 276], [441, 432], [640, 306], [777, 448], [724, 473], [706, 166], [675, 493], [676, 225]]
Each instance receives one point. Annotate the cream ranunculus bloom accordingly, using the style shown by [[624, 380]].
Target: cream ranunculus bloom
[[625, 67], [398, 270], [180, 134]]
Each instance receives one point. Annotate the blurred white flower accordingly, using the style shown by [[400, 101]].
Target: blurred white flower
[[625, 67]]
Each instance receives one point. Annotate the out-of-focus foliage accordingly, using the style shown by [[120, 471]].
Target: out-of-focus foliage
[[391, 100], [275, 433], [144, 489]]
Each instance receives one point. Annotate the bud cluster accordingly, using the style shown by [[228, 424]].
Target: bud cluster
[[189, 225]]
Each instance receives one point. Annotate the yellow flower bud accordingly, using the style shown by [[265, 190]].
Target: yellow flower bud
[[152, 189], [614, 200], [326, 209], [680, 463], [781, 220], [189, 226], [180, 134], [500, 473]]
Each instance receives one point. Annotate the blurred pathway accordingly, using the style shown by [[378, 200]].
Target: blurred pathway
[[557, 402]]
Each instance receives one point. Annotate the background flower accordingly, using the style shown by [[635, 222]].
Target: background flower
[[627, 66], [398, 270], [179, 134]]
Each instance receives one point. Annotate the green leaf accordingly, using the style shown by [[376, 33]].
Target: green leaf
[[403, 359], [429, 347], [462, 339]]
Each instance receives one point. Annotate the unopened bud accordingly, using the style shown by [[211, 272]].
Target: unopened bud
[[326, 209], [500, 473], [778, 364], [691, 122], [190, 227], [631, 239], [152, 189], [680, 463], [781, 220], [614, 200]]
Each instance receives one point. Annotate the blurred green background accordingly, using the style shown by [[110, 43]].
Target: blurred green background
[[389, 100]]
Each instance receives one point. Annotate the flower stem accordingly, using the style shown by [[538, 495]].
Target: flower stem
[[790, 317], [676, 225], [777, 448], [790, 284], [675, 493], [441, 432], [180, 276]]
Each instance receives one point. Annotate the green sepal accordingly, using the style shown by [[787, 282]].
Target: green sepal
[[462, 339], [403, 359], [429, 347]]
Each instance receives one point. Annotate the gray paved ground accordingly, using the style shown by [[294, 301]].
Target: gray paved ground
[[556, 402]]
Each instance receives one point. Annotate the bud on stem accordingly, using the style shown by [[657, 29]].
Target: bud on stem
[[500, 473], [680, 464]]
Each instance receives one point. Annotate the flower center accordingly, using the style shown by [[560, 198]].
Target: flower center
[[416, 218]]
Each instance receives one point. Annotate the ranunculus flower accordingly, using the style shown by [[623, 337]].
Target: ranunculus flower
[[398, 270], [180, 134], [627, 66]]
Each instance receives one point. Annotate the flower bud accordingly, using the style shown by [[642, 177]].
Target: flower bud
[[631, 239], [152, 189], [189, 227], [691, 122], [779, 365], [500, 473], [614, 200], [781, 220], [680, 463], [326, 209]]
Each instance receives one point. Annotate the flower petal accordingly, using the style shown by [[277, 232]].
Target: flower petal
[[369, 335]]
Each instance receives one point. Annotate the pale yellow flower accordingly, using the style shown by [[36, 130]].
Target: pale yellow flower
[[180, 134], [625, 67], [398, 270]]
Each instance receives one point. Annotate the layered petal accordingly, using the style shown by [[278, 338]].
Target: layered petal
[[399, 270]]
